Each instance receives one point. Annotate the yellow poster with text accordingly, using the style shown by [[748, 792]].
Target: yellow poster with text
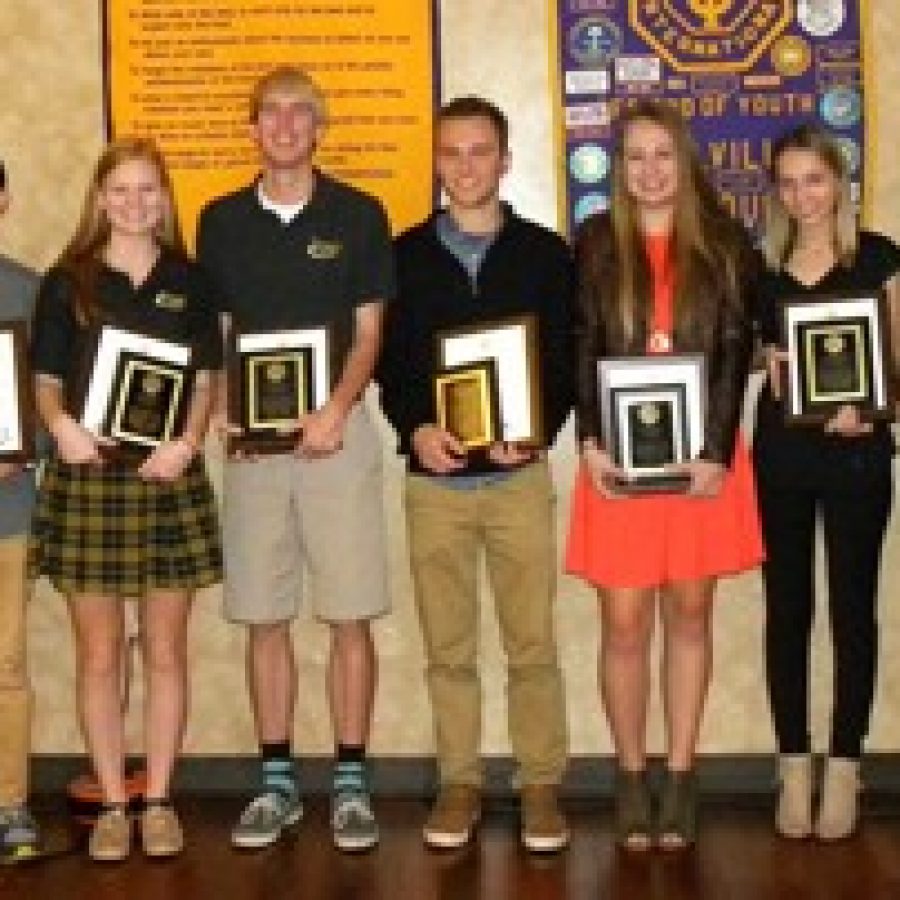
[[181, 71]]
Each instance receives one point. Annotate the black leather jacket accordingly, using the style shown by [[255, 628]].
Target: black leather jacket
[[725, 336]]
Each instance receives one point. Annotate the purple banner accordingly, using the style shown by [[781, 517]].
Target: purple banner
[[742, 72]]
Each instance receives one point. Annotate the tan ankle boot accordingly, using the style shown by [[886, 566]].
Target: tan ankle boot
[[453, 817], [839, 808], [793, 818], [544, 828]]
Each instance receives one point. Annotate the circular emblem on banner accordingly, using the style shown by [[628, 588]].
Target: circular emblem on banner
[[821, 18], [841, 107], [648, 413], [588, 205], [595, 41], [834, 344], [791, 56], [852, 154], [589, 163]]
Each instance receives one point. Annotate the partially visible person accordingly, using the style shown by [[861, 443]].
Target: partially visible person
[[297, 248], [665, 270], [470, 263], [108, 529], [18, 831], [839, 474]]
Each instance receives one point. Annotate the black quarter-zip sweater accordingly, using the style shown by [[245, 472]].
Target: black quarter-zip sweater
[[527, 269]]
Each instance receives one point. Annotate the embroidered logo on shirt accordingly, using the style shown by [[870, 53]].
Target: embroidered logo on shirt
[[318, 248], [169, 301]]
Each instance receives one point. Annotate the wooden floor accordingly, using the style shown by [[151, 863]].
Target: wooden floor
[[737, 858]]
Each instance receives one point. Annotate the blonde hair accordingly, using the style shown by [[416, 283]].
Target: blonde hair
[[293, 80], [780, 232], [82, 256], [704, 241]]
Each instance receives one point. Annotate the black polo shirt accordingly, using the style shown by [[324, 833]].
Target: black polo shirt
[[173, 304], [333, 256]]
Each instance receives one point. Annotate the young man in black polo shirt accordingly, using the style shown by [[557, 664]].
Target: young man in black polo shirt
[[298, 249], [471, 263]]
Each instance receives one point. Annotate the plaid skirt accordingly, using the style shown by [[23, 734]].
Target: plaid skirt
[[105, 530]]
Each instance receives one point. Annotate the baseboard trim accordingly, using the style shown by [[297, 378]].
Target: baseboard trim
[[728, 776]]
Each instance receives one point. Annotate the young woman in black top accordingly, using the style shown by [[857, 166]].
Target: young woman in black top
[[105, 530], [840, 473]]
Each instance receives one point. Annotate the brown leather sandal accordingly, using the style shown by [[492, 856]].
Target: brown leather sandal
[[634, 812], [677, 822]]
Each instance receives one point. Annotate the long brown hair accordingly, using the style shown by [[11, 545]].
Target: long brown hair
[[706, 240], [82, 256], [780, 235]]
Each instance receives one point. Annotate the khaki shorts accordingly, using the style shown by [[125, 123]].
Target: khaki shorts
[[281, 512]]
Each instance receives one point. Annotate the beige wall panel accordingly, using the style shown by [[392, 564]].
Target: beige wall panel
[[50, 120], [499, 49], [50, 131]]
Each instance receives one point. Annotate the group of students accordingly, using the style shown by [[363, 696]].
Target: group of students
[[666, 269]]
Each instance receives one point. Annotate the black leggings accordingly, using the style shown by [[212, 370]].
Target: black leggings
[[854, 521]]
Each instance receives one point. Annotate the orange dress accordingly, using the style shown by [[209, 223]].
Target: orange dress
[[655, 539]]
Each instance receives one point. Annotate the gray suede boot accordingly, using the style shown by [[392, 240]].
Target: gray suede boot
[[793, 818], [839, 809]]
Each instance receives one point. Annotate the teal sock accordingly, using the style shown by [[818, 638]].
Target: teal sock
[[279, 776], [350, 777]]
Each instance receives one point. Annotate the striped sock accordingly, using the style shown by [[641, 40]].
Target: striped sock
[[278, 772], [350, 777]]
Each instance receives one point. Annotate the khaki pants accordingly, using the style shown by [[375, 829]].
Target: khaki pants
[[281, 514], [512, 521], [15, 699]]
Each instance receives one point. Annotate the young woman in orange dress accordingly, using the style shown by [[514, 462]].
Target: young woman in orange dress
[[666, 270]]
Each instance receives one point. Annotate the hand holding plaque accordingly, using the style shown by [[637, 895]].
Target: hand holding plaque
[[274, 378], [17, 417], [838, 354], [652, 410]]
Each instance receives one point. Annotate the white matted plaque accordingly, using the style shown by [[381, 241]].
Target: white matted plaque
[[652, 412], [513, 345], [838, 352], [17, 418], [135, 391], [274, 377]]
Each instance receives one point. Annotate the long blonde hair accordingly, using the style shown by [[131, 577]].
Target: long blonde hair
[[705, 237], [83, 254], [780, 235]]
